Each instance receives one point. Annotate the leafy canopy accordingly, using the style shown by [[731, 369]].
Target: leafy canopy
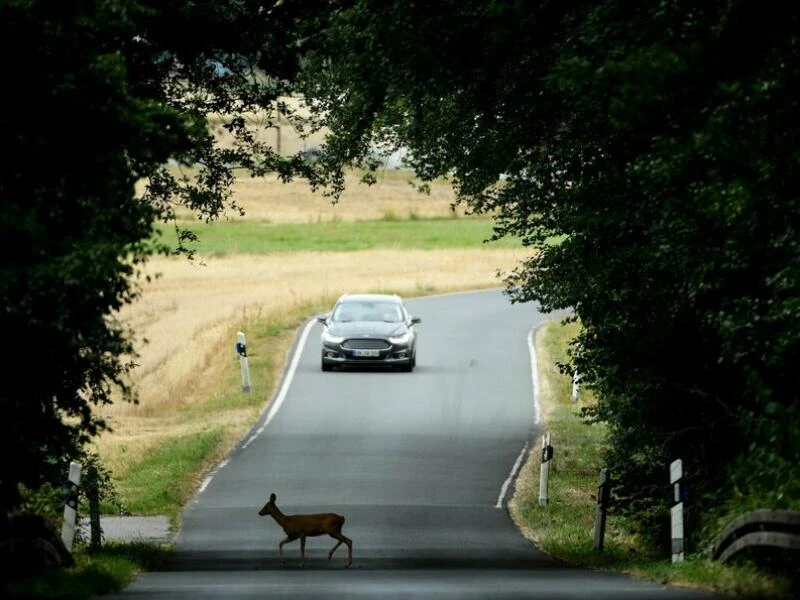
[[660, 141], [101, 95]]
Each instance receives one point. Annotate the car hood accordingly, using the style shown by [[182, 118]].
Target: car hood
[[366, 329]]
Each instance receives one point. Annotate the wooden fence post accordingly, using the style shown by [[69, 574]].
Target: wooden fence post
[[603, 495], [92, 486]]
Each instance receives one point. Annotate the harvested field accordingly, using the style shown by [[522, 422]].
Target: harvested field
[[188, 312]]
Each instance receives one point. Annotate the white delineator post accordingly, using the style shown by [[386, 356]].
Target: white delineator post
[[676, 512], [71, 504], [241, 349], [576, 386], [544, 472]]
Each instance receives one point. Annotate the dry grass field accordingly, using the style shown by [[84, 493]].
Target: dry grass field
[[393, 196], [188, 313]]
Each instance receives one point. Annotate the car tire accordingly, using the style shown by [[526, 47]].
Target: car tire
[[327, 367]]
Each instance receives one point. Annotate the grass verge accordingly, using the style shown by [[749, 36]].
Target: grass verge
[[104, 571], [564, 527], [168, 474], [165, 478]]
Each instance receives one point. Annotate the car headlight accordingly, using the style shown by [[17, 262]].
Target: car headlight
[[403, 338], [328, 338]]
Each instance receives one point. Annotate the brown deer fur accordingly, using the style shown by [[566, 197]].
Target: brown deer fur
[[302, 526]]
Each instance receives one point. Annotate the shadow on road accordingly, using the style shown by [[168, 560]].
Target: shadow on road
[[268, 560]]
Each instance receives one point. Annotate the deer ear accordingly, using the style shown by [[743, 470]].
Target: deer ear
[[272, 497]]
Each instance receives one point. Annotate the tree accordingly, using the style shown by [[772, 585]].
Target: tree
[[103, 94], [656, 143]]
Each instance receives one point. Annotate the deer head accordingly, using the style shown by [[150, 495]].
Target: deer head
[[269, 507]]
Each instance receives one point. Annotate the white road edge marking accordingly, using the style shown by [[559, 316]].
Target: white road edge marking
[[535, 387], [275, 405], [207, 480]]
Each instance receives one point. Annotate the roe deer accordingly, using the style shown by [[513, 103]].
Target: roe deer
[[301, 526]]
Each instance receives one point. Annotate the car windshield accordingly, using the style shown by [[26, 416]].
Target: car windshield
[[388, 312]]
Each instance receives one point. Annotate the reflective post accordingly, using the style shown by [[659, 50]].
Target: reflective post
[[676, 512], [576, 386], [241, 350], [71, 504], [544, 472]]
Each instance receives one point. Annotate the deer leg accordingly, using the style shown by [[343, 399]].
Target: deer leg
[[302, 550], [342, 540], [280, 547], [349, 543]]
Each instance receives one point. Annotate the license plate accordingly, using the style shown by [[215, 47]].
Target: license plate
[[366, 353]]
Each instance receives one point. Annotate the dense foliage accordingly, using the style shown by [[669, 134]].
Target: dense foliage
[[660, 139], [99, 95]]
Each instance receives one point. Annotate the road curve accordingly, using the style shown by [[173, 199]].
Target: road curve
[[418, 463]]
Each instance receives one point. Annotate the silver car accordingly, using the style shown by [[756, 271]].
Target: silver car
[[369, 329]]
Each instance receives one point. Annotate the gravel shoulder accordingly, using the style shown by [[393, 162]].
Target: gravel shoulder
[[133, 529]]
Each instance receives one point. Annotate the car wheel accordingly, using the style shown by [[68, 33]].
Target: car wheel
[[327, 367]]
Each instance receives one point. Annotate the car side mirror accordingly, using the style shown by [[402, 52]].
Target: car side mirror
[[415, 320], [323, 319]]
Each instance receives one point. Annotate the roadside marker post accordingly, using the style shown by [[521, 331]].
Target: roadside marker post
[[576, 386], [544, 472], [241, 350], [70, 495], [676, 512]]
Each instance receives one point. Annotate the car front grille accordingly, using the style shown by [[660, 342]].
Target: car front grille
[[365, 344]]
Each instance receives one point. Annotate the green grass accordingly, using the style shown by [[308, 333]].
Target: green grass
[[161, 483], [247, 237], [264, 365], [565, 527], [104, 571]]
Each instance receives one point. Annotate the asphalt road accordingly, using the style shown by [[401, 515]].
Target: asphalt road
[[418, 463]]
